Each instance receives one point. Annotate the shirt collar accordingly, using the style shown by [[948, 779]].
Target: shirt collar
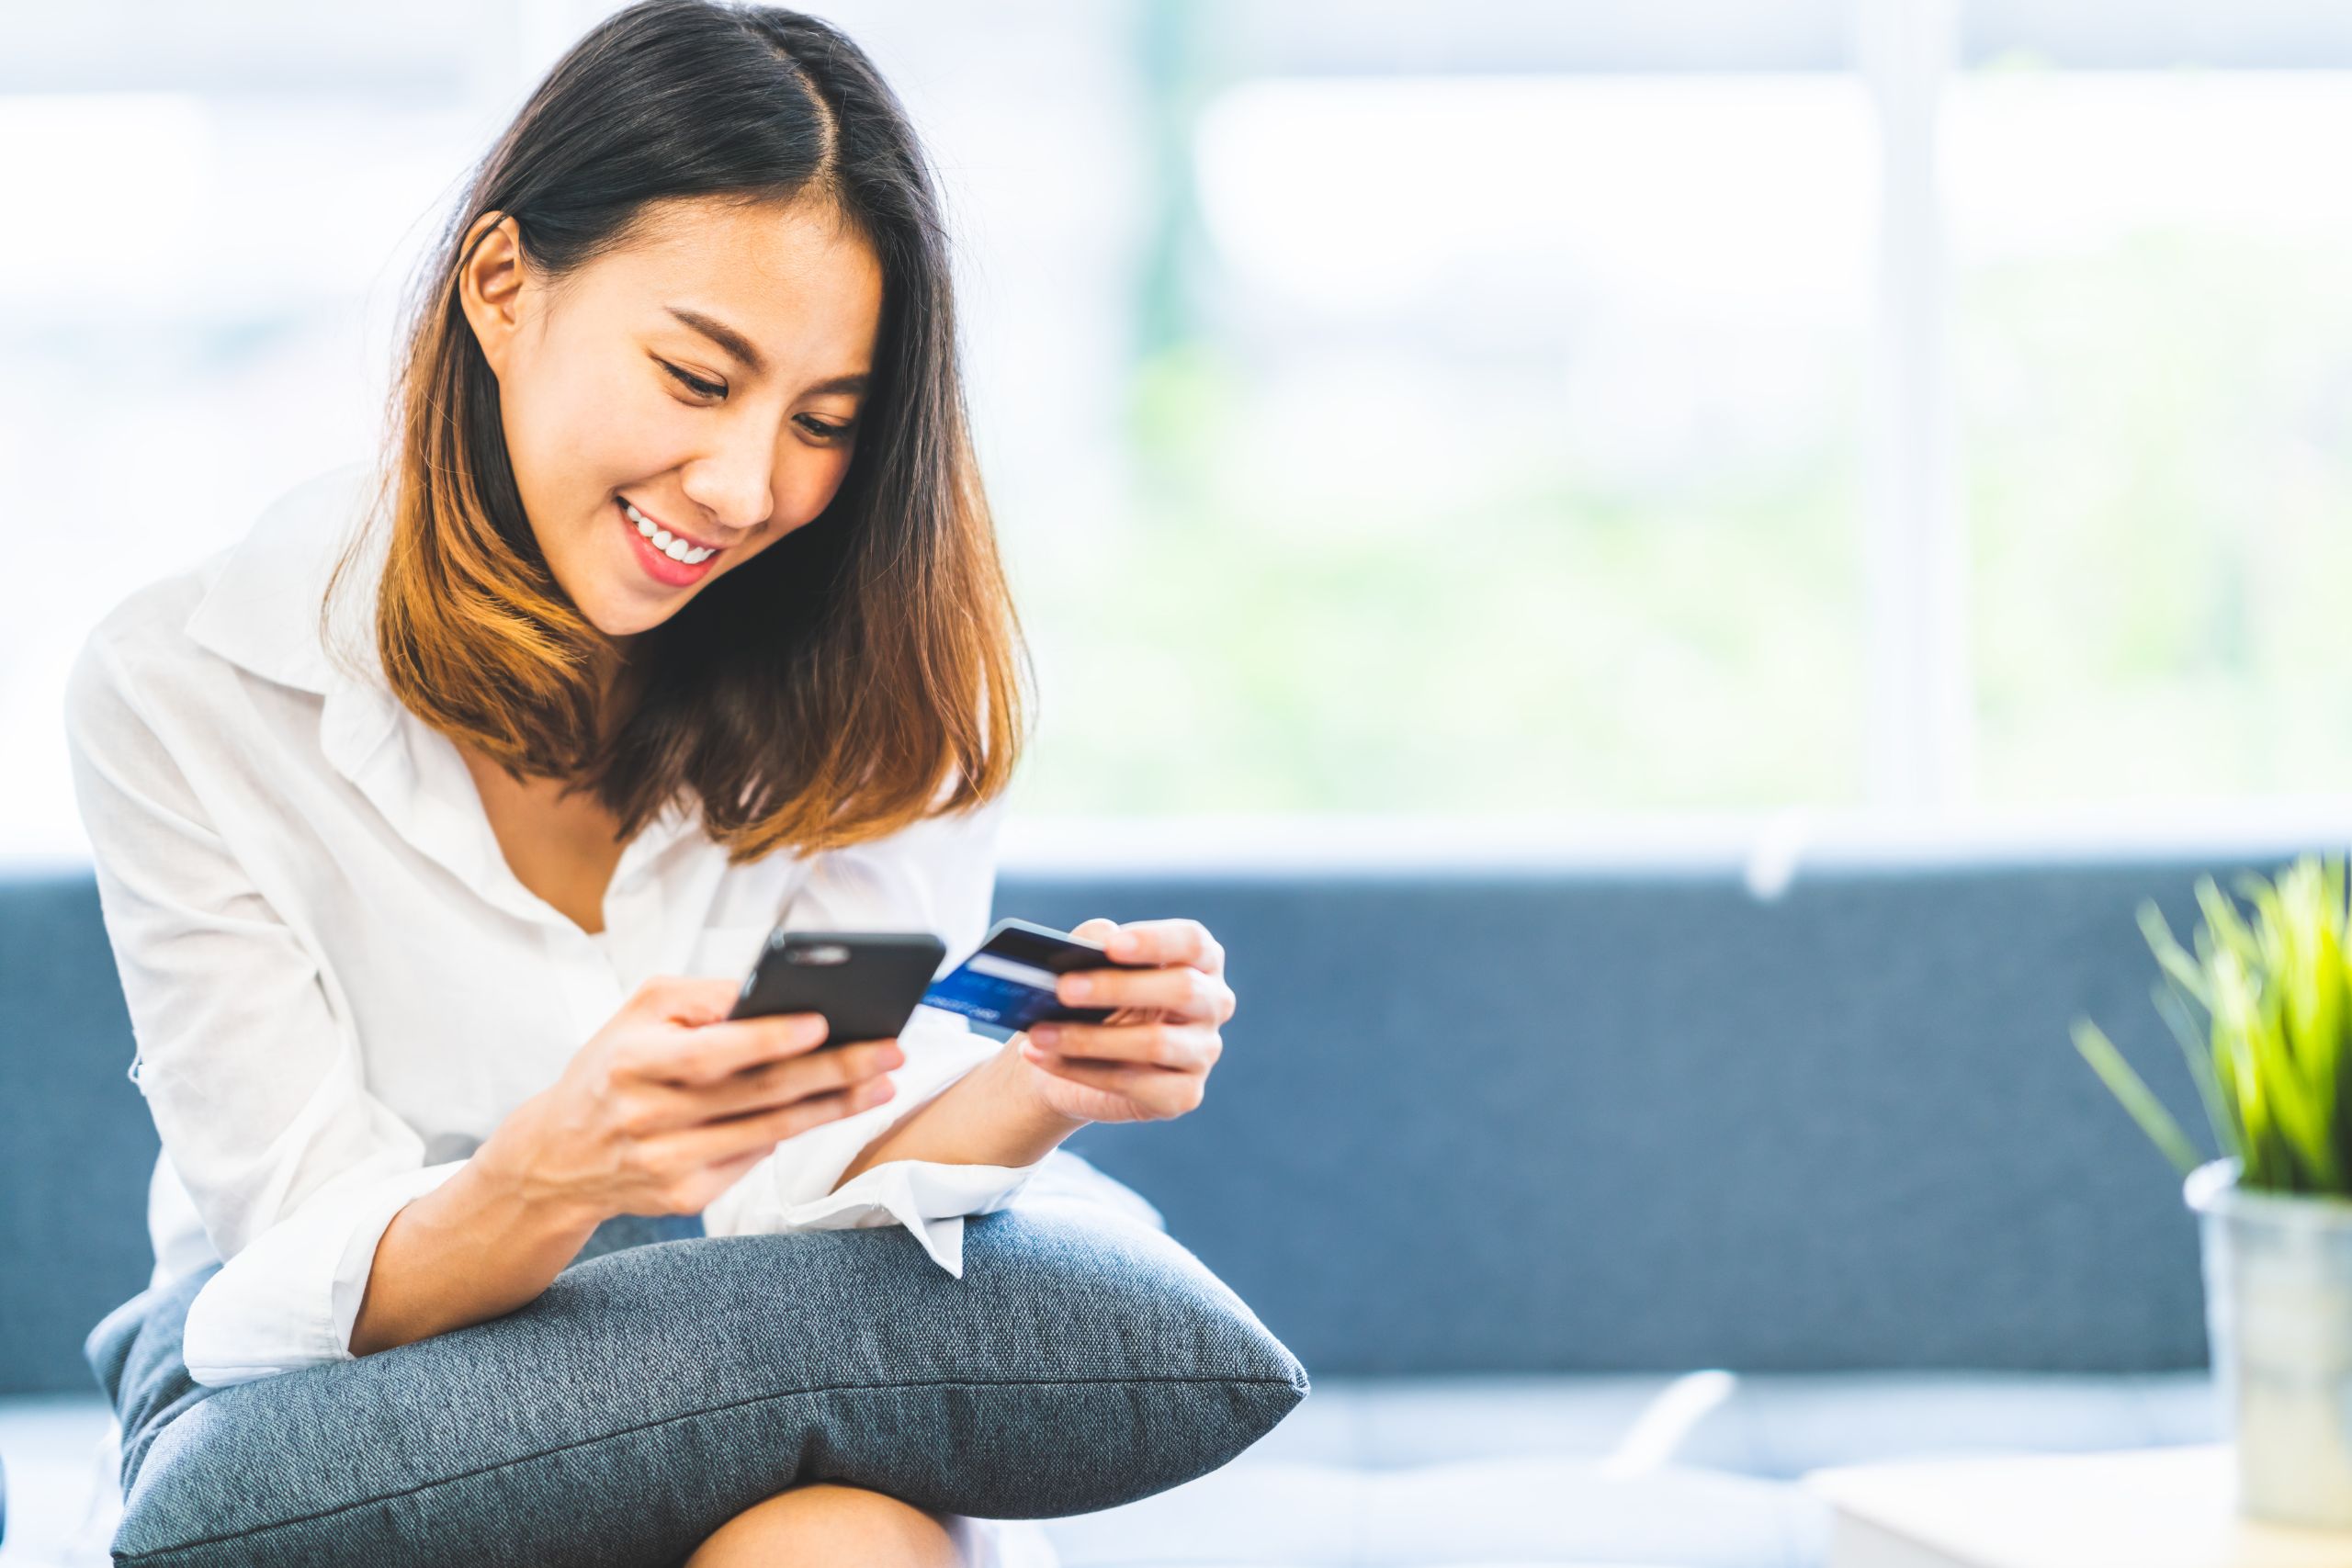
[[261, 612], [261, 609]]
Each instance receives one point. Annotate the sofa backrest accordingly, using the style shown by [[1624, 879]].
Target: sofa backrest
[[77, 1146], [1608, 1118]]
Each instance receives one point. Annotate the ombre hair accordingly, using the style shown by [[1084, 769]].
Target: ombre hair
[[863, 671]]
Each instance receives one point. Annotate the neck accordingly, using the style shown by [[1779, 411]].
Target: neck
[[620, 680]]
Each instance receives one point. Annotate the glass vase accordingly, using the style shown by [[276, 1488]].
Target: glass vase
[[2279, 1313]]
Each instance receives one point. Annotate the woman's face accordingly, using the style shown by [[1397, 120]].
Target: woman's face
[[681, 404]]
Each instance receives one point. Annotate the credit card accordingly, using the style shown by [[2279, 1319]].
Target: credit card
[[1007, 984]]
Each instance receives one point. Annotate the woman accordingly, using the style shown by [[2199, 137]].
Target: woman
[[676, 604]]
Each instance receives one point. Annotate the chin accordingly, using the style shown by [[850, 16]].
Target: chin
[[617, 631], [619, 619]]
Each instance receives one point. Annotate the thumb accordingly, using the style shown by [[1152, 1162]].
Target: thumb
[[1097, 929]]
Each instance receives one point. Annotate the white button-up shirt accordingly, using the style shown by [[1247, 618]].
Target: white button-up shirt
[[338, 987]]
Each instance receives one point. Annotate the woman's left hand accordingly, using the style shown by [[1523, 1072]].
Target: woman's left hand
[[1150, 1059]]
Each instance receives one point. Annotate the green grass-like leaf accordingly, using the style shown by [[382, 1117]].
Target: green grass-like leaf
[[2173, 1008], [2137, 1098], [2261, 1005]]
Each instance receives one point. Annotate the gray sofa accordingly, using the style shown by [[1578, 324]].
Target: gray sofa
[[1603, 1197]]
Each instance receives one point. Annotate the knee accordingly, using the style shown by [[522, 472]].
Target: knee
[[824, 1523]]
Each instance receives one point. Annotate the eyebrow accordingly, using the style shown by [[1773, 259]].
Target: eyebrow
[[739, 346]]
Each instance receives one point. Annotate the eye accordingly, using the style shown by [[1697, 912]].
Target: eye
[[825, 431], [693, 384]]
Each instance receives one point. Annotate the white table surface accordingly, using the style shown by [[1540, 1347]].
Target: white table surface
[[2173, 1508]]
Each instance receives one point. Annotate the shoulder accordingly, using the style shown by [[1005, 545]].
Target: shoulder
[[144, 636], [254, 602], [950, 848]]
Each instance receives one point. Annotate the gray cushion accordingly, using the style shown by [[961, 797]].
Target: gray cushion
[[651, 1394]]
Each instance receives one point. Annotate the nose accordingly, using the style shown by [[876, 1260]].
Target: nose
[[734, 481]]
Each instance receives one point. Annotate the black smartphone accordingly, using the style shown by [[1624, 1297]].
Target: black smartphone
[[866, 983]]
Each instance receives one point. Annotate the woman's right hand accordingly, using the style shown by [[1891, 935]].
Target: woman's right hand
[[672, 1101]]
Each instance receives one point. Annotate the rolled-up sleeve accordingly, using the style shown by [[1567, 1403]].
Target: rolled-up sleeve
[[250, 1068], [937, 876]]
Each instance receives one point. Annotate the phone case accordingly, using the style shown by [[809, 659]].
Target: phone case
[[866, 983]]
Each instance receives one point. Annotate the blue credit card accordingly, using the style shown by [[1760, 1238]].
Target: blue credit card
[[1007, 984]]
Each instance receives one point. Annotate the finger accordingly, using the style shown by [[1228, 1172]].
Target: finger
[[1178, 940], [1185, 1046], [709, 1052], [780, 1083], [684, 998], [1157, 1091], [1180, 989], [730, 1171], [715, 1143]]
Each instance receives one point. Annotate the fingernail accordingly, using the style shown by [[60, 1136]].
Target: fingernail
[[1077, 987], [1044, 1035]]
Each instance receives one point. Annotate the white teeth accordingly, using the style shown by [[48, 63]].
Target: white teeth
[[669, 544]]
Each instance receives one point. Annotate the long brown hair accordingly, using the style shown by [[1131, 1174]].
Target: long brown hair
[[822, 693]]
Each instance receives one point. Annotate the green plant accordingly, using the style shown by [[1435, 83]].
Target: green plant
[[2269, 1051]]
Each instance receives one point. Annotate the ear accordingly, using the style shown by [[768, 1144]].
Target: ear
[[489, 286]]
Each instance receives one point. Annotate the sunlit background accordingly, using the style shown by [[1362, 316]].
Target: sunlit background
[[1397, 415]]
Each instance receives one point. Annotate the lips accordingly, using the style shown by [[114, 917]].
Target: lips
[[655, 564], [639, 515]]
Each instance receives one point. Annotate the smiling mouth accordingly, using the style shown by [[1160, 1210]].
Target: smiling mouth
[[677, 547], [669, 559]]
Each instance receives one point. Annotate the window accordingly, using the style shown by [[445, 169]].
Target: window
[[1501, 453], [1499, 408], [2154, 371]]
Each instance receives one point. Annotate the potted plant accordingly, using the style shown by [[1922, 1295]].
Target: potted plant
[[2263, 1009]]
